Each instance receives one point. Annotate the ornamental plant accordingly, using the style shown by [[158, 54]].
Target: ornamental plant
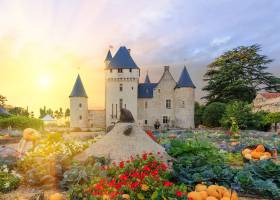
[[141, 177]]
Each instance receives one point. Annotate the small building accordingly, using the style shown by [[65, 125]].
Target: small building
[[48, 119], [4, 112], [267, 101]]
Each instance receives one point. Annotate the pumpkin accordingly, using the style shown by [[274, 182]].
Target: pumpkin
[[203, 195], [56, 196], [233, 195], [223, 191], [268, 154], [256, 154], [213, 190], [200, 187], [246, 151], [248, 156], [194, 196], [260, 148], [211, 198], [225, 198]]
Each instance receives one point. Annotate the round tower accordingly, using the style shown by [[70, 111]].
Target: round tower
[[78, 106], [121, 85], [184, 100]]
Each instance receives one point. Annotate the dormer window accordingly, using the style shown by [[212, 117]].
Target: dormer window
[[120, 70]]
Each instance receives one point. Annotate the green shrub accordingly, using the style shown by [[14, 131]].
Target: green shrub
[[241, 112], [20, 122], [213, 114]]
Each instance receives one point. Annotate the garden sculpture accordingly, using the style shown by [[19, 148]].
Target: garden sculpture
[[28, 135]]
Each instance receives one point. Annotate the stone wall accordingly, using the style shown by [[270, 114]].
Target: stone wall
[[96, 118], [269, 105]]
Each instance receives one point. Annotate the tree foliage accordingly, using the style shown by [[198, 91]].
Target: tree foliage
[[2, 100], [198, 113], [239, 74], [213, 113], [19, 111]]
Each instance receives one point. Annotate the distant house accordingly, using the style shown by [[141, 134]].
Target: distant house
[[49, 120], [267, 101]]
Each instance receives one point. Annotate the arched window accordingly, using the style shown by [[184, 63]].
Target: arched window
[[80, 105], [81, 117]]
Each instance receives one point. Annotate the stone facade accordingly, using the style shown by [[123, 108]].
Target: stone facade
[[96, 118], [78, 112], [266, 101]]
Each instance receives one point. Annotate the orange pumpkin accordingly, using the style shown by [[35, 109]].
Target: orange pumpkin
[[56, 196], [211, 198], [200, 187], [194, 196], [256, 154], [246, 151], [260, 148], [225, 198], [213, 190], [203, 195]]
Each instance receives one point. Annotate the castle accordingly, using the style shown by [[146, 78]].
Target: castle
[[168, 101]]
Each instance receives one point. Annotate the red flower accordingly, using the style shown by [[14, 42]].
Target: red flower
[[123, 177], [167, 184], [134, 185], [154, 173], [179, 193], [121, 164], [146, 168]]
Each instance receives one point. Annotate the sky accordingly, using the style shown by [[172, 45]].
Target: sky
[[44, 44]]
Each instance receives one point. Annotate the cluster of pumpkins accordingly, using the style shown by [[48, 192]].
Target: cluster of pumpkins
[[258, 153], [212, 192]]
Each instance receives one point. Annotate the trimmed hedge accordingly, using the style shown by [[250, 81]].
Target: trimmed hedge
[[20, 122]]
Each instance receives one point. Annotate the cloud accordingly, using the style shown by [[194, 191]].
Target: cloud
[[219, 41]]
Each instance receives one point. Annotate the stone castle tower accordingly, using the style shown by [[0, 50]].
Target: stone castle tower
[[78, 105], [121, 84]]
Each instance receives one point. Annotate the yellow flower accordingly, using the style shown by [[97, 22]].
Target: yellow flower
[[144, 187], [106, 197], [126, 196]]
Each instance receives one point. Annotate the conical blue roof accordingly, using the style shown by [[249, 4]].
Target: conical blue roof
[[78, 89], [147, 79], [122, 59], [109, 56], [185, 79]]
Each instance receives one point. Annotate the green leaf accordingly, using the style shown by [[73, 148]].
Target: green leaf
[[140, 196], [154, 195]]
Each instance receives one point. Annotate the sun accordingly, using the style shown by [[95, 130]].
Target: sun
[[44, 81]]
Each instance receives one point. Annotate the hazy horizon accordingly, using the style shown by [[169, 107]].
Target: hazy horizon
[[45, 44]]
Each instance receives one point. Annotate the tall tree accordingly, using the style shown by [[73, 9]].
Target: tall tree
[[67, 113], [239, 74], [2, 100]]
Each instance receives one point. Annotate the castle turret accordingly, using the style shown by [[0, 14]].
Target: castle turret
[[121, 84], [147, 79], [78, 106], [184, 100]]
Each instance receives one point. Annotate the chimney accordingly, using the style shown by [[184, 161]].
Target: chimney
[[166, 68]]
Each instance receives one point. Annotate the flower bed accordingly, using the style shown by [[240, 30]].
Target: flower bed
[[142, 177]]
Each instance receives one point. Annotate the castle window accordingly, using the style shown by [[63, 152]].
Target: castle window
[[130, 70], [81, 117], [112, 111], [168, 103], [120, 70], [183, 104], [165, 119], [158, 90], [121, 87], [131, 88], [121, 104], [80, 105], [146, 104], [111, 70], [146, 122]]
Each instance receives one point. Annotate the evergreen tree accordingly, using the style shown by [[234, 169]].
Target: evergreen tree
[[2, 100], [239, 74]]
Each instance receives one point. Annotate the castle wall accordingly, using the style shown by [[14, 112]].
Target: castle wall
[[184, 107], [96, 118], [129, 93], [157, 105], [78, 112]]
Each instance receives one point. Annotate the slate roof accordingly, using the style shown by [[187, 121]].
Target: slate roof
[[4, 112], [185, 80], [122, 59], [147, 79], [145, 90], [109, 56], [270, 95], [78, 89]]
